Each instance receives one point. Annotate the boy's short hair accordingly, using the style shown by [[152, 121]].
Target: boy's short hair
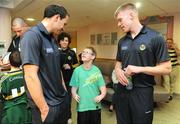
[[63, 35], [15, 58], [93, 51], [52, 10]]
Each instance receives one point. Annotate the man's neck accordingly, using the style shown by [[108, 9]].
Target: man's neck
[[136, 29], [46, 24]]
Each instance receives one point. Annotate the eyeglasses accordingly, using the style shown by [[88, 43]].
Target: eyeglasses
[[86, 52]]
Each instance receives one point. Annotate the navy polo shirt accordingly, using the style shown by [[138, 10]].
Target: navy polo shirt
[[147, 49], [68, 57], [38, 47]]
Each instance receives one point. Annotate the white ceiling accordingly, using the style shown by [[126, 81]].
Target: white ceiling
[[9, 3], [85, 12]]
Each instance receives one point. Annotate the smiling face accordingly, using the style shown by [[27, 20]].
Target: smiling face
[[59, 24], [124, 20], [87, 55], [63, 22], [64, 43], [170, 43]]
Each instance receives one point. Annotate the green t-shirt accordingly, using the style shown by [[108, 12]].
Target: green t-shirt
[[88, 83]]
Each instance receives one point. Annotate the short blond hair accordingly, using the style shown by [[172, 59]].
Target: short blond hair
[[126, 6]]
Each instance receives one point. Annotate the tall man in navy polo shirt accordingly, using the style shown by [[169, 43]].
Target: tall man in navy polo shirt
[[141, 55], [41, 65]]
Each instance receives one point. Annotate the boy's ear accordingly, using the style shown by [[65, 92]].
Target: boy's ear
[[93, 57]]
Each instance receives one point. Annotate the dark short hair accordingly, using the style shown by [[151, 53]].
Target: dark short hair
[[15, 58], [52, 10], [62, 35]]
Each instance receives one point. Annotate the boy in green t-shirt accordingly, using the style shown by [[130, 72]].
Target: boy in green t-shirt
[[13, 96], [88, 89]]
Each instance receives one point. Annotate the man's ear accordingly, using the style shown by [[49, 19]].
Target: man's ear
[[56, 17], [131, 15]]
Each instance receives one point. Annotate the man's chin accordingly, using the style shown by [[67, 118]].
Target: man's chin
[[59, 31], [124, 30]]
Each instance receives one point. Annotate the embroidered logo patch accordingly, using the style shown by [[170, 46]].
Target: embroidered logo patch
[[142, 47], [49, 50], [69, 58], [124, 48]]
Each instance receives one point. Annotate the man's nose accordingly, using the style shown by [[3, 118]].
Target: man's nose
[[62, 29], [119, 24], [18, 34]]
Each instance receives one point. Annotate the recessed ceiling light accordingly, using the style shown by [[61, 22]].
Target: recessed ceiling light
[[138, 4], [30, 19]]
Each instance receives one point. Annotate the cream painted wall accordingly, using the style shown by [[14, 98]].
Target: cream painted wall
[[5, 24], [176, 37], [176, 34], [82, 39], [103, 51]]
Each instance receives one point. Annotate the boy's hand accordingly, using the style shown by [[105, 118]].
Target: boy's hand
[[98, 99], [76, 97]]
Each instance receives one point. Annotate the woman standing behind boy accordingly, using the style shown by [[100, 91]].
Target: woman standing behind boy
[[69, 62]]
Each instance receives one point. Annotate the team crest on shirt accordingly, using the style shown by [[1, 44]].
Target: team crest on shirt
[[142, 47], [69, 57]]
